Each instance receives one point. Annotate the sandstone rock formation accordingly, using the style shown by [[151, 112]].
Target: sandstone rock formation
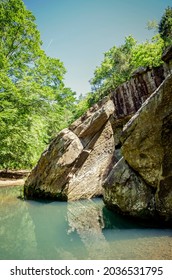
[[126, 192], [129, 96], [146, 147], [139, 185], [73, 165], [85, 155]]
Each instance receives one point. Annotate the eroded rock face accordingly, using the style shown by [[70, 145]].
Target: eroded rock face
[[145, 143], [73, 165], [91, 122], [51, 173], [91, 166], [147, 149], [129, 97], [127, 193]]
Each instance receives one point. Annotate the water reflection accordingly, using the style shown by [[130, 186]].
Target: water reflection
[[17, 238], [51, 231], [74, 230], [85, 217]]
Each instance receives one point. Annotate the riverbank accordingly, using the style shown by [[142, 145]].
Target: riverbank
[[11, 183], [13, 178]]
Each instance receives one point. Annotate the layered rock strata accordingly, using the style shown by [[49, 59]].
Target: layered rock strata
[[129, 96]]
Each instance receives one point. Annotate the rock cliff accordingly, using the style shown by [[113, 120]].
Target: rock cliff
[[140, 184], [87, 155]]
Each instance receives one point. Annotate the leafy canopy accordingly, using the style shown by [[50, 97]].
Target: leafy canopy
[[165, 26], [114, 70], [34, 103], [120, 62]]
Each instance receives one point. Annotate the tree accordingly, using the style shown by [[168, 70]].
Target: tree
[[165, 26], [152, 25], [120, 62], [114, 70], [82, 105], [148, 53], [20, 39], [34, 103]]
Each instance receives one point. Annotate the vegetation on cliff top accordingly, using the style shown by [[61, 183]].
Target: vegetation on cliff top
[[120, 62], [165, 26]]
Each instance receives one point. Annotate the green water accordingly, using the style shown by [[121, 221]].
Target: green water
[[74, 230]]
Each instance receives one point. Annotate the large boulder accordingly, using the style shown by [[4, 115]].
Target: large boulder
[[51, 173], [130, 96], [147, 149], [90, 167], [73, 165]]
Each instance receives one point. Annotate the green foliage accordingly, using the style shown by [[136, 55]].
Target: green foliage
[[152, 25], [114, 70], [165, 26], [148, 53], [20, 39], [82, 105], [120, 62], [34, 103]]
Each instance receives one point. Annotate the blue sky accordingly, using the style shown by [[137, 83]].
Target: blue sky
[[78, 32]]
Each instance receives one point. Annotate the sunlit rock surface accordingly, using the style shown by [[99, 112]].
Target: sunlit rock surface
[[146, 137], [146, 147], [77, 160], [73, 165]]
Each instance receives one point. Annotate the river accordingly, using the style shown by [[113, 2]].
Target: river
[[75, 230]]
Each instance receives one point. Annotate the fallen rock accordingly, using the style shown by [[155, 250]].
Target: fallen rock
[[74, 164], [86, 182], [50, 175]]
